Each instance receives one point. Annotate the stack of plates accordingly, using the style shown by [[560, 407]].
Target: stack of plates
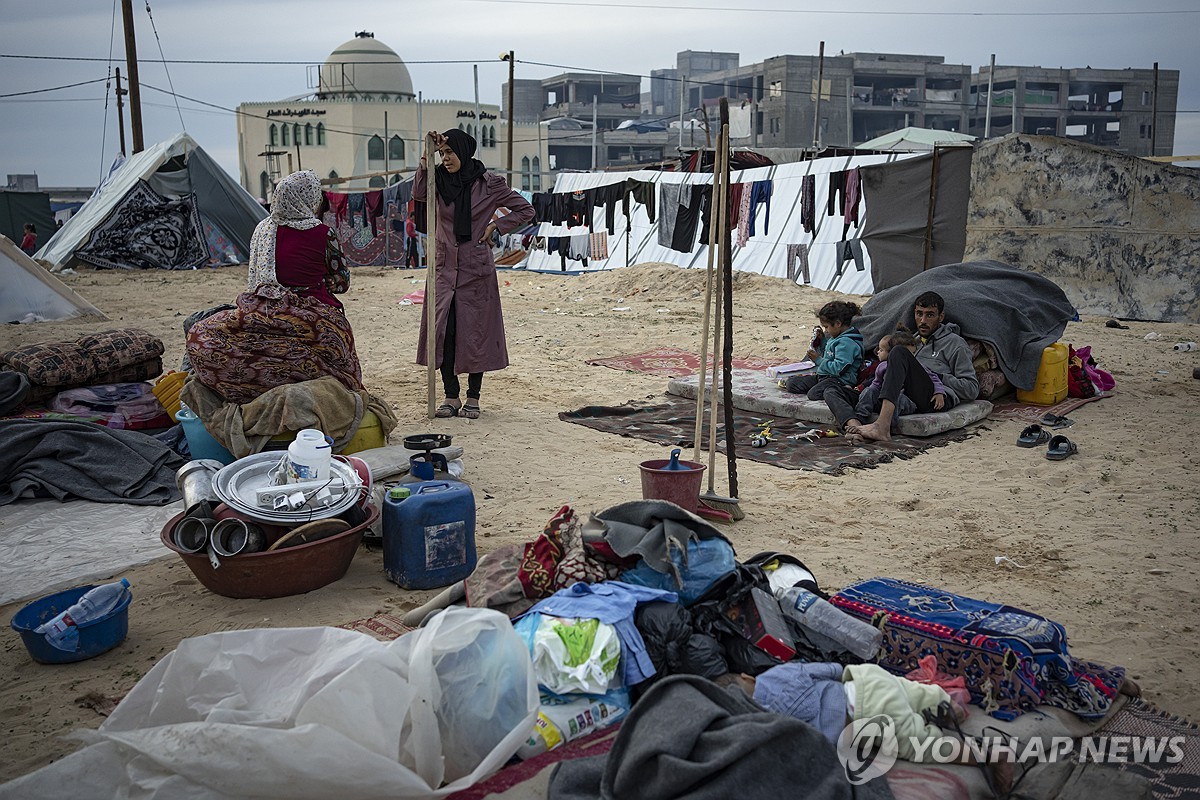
[[238, 484]]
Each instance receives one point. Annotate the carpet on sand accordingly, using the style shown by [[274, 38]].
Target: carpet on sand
[[671, 421], [671, 362], [1028, 412]]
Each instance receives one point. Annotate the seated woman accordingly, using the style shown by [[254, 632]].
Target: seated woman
[[287, 326]]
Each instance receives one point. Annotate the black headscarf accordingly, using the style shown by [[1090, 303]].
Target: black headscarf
[[455, 187]]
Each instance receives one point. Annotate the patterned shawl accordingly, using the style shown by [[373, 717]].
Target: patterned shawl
[[294, 206]]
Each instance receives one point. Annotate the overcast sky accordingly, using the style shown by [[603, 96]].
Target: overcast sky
[[63, 135]]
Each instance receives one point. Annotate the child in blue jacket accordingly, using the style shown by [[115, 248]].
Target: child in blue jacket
[[839, 356]]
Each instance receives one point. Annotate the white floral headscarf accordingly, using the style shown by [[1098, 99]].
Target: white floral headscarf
[[293, 206]]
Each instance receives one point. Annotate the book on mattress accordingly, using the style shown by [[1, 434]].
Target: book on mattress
[[783, 370]]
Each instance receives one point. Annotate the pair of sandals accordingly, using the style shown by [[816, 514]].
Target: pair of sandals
[[466, 410], [1058, 447]]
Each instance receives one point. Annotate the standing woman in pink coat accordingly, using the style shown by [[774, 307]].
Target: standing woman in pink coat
[[470, 324]]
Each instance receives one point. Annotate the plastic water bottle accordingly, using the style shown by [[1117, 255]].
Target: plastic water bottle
[[820, 616], [1185, 346], [62, 631], [309, 457]]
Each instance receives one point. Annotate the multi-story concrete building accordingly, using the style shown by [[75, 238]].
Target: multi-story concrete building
[[363, 117], [1112, 108]]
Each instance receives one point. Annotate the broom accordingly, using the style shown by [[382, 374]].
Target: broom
[[710, 498]]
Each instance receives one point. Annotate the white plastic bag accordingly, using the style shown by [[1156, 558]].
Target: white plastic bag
[[311, 713], [588, 666]]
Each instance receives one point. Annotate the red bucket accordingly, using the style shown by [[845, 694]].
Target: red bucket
[[678, 486]]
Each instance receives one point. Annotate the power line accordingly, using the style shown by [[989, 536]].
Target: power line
[[223, 61], [842, 12], [54, 88]]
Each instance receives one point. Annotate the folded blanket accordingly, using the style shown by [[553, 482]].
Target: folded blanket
[[324, 404], [64, 460]]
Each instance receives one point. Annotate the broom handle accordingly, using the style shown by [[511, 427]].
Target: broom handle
[[722, 216], [708, 299], [430, 277], [726, 263]]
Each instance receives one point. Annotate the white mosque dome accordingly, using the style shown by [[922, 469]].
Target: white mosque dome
[[364, 66]]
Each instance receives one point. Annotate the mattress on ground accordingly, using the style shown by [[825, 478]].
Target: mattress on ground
[[754, 391]]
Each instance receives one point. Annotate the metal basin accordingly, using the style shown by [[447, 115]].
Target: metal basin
[[276, 573]]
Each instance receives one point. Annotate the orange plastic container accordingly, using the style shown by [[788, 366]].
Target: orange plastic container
[[1051, 386]]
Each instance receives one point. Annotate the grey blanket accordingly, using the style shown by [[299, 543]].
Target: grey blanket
[[652, 529], [1019, 313], [689, 738], [64, 460]]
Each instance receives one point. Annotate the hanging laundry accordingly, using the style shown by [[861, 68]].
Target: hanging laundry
[[848, 250], [743, 225], [739, 122], [579, 209], [853, 194], [543, 205], [580, 247], [599, 248], [669, 203], [356, 209], [373, 208], [692, 202], [837, 187], [608, 197], [808, 203], [735, 204], [761, 193], [339, 204], [642, 192], [797, 263]]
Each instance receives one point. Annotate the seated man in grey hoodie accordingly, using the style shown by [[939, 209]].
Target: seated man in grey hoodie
[[942, 351]]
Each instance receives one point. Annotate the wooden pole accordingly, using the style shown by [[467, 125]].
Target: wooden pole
[[933, 179], [135, 89], [722, 234], [512, 60], [120, 111], [430, 276], [987, 114], [714, 223], [816, 140], [1154, 114], [727, 279]]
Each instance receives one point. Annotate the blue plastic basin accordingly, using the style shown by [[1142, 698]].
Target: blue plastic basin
[[95, 637]]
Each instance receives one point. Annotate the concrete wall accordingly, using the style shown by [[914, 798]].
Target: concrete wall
[[1119, 234]]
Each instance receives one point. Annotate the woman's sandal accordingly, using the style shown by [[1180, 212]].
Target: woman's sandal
[[469, 411], [446, 410]]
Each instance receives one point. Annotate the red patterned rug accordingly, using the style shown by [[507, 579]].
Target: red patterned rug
[[1028, 412], [384, 627], [671, 362]]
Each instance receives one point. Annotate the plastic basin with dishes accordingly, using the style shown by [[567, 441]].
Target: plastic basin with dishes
[[276, 573], [95, 637]]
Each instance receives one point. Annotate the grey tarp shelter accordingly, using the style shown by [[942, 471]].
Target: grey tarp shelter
[[17, 208]]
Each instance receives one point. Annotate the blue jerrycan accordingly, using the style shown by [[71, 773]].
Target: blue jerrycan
[[429, 537]]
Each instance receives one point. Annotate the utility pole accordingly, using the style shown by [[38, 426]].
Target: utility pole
[[120, 111], [135, 91], [512, 60], [1154, 115], [987, 115], [387, 145], [682, 93], [816, 138], [478, 116], [595, 100], [420, 121]]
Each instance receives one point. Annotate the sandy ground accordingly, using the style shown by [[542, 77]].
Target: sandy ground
[[1109, 537]]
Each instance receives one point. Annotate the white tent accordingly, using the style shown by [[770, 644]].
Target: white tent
[[896, 237], [916, 140], [172, 168], [31, 294]]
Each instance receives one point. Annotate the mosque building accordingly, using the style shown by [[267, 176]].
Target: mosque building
[[365, 118]]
